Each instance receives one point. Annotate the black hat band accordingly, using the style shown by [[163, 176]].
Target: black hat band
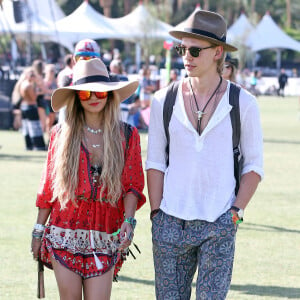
[[206, 33], [89, 79]]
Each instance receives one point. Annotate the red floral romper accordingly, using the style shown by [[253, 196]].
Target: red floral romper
[[80, 238]]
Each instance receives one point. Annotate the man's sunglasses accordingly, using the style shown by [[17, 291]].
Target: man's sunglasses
[[86, 95], [194, 51]]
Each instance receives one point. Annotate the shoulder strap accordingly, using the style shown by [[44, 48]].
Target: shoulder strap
[[234, 94], [127, 128], [167, 112]]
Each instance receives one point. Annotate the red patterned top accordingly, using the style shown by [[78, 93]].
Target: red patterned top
[[80, 237]]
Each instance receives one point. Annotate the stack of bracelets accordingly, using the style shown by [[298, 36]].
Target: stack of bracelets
[[38, 231]]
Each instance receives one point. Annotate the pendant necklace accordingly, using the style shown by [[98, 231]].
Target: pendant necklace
[[199, 112]]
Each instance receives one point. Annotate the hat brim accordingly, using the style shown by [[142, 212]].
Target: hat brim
[[124, 89], [181, 34]]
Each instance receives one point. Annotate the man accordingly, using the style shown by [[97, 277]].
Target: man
[[282, 80], [194, 209]]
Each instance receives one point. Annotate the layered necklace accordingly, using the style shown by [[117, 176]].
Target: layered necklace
[[200, 112], [93, 131], [95, 169]]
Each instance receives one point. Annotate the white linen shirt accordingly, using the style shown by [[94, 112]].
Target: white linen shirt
[[199, 182]]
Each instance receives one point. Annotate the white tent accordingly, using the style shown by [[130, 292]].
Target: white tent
[[140, 25], [35, 21], [240, 29], [86, 22], [267, 35]]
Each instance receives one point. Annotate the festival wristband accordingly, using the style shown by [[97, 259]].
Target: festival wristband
[[131, 221], [236, 219]]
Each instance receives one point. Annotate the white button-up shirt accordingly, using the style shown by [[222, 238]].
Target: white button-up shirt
[[199, 182]]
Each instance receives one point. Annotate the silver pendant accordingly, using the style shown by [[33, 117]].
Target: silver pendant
[[96, 145], [200, 114]]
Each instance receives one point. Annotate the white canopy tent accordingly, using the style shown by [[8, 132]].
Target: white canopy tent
[[267, 35], [38, 18], [240, 29], [86, 22], [140, 25]]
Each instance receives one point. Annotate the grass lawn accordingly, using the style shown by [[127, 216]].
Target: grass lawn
[[267, 264]]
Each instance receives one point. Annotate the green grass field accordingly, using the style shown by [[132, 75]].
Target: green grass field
[[267, 264]]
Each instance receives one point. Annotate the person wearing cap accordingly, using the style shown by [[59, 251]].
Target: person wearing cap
[[91, 186], [84, 50], [230, 68], [194, 210]]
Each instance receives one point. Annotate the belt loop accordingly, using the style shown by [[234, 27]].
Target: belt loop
[[183, 224]]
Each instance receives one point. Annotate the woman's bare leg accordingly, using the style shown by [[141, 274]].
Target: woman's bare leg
[[98, 288], [69, 283]]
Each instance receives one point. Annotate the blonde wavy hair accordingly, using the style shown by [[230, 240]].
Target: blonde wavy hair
[[67, 150]]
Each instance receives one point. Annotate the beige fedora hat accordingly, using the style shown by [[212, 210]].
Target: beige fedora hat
[[91, 75], [205, 25]]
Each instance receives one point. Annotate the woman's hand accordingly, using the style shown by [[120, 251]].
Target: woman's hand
[[126, 235], [35, 247]]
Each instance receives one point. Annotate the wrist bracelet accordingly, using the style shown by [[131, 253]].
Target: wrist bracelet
[[39, 227], [37, 234], [153, 213], [131, 221]]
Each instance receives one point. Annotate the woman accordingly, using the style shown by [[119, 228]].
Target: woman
[[230, 69], [31, 125], [41, 90], [92, 185], [51, 85]]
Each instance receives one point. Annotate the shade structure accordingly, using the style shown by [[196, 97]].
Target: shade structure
[[268, 35], [86, 22], [36, 20], [240, 29], [140, 24]]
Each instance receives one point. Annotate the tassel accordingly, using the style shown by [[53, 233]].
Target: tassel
[[99, 264], [137, 248]]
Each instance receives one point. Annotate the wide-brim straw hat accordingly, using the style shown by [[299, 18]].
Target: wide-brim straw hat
[[205, 25], [91, 75]]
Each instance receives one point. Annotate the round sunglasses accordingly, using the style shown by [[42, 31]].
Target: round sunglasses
[[86, 95], [194, 51]]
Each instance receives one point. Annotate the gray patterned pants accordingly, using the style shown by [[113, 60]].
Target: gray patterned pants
[[180, 246]]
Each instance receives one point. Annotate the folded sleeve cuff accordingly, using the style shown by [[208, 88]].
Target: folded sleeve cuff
[[256, 169], [156, 166]]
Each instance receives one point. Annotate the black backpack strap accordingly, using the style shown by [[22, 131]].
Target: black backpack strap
[[234, 94], [167, 113], [127, 129]]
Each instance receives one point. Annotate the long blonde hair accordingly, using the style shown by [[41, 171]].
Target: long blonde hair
[[67, 144]]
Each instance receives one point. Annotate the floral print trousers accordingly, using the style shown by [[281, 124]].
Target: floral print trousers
[[180, 246]]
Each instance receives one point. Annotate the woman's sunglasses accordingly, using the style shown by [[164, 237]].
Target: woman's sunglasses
[[194, 51], [86, 95]]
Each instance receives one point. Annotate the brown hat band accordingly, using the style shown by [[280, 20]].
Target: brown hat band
[[89, 79], [205, 33]]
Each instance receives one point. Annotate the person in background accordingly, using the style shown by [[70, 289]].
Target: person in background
[[31, 125], [51, 85], [91, 187], [282, 81], [147, 87], [38, 67], [64, 76], [84, 50], [173, 76], [194, 209], [231, 66]]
